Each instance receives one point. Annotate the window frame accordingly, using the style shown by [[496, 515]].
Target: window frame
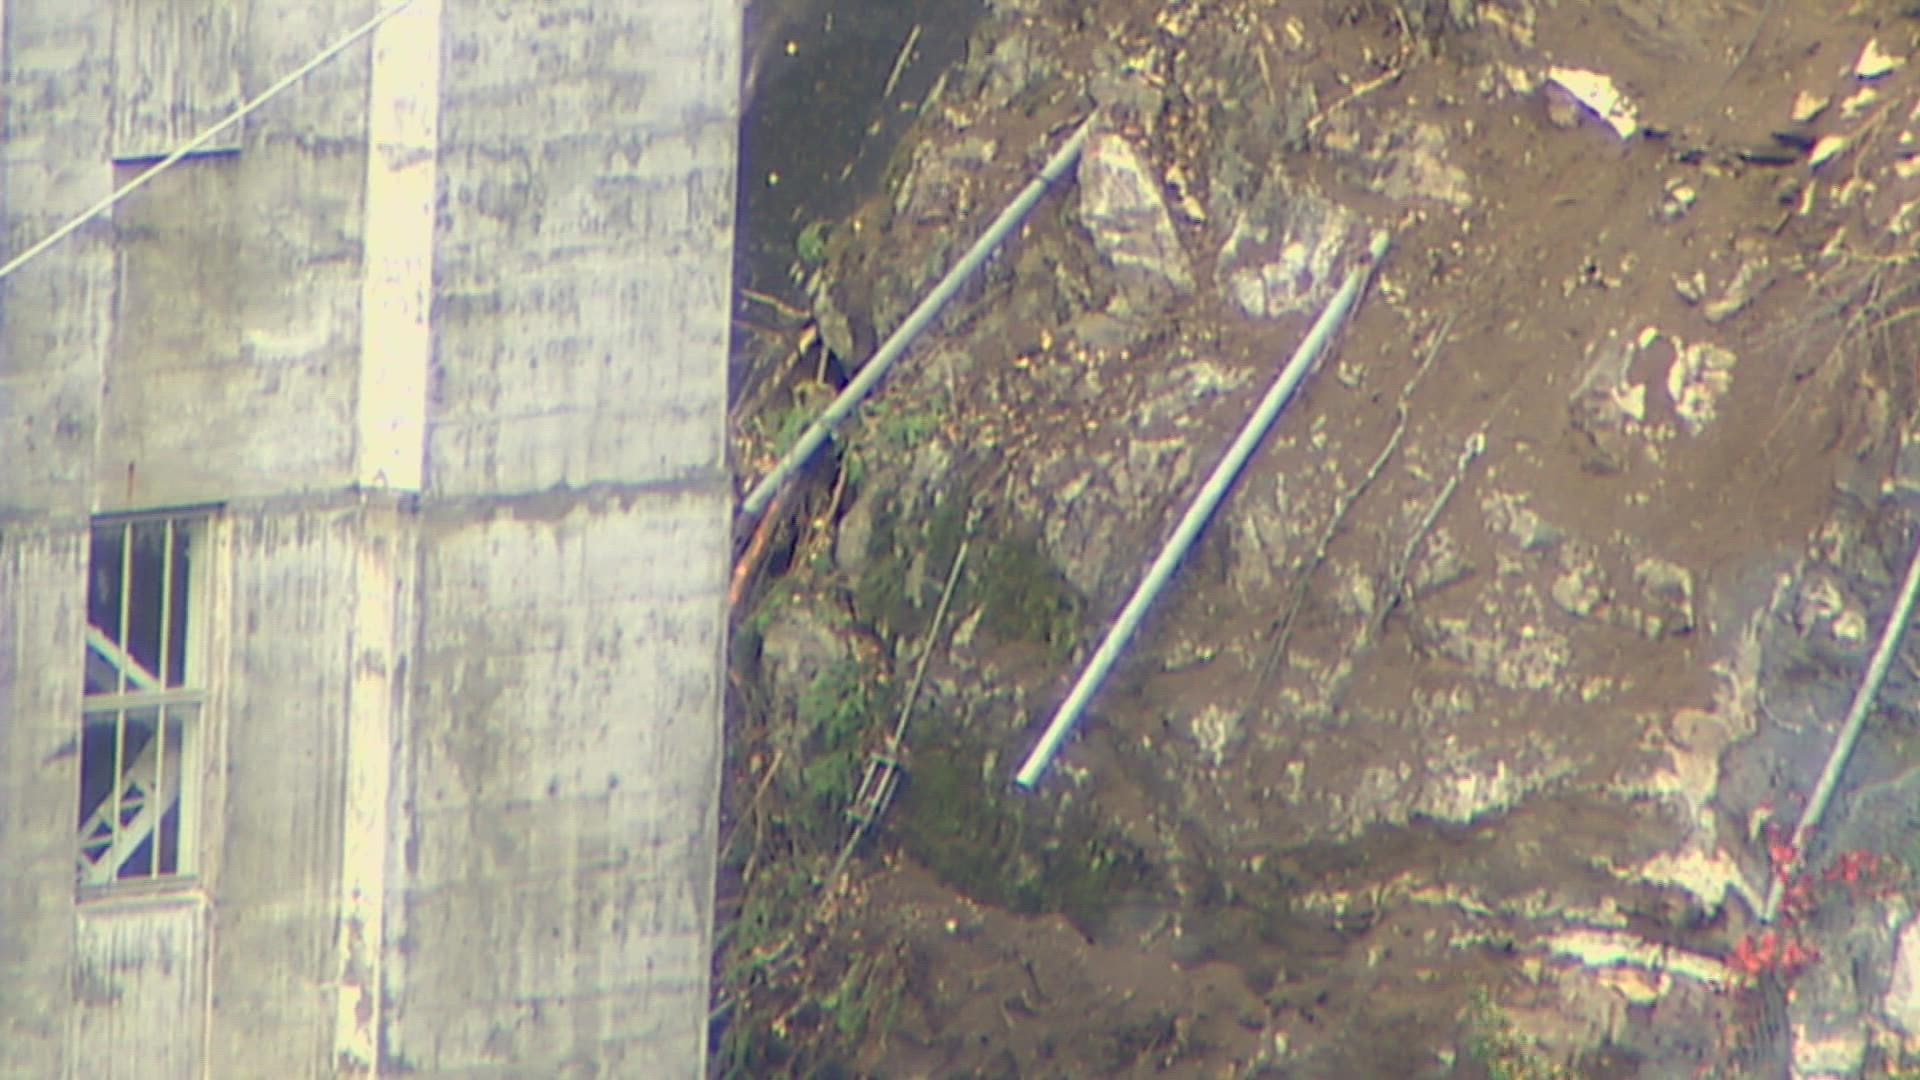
[[182, 708]]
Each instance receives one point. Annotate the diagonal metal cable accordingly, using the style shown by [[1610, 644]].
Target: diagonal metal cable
[[201, 139]]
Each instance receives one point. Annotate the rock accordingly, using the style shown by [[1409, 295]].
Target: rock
[[1901, 1004], [1596, 91], [1858, 102], [1440, 563], [1668, 591], [1874, 62], [1827, 148], [1692, 288], [1754, 277], [797, 647], [1806, 106], [1508, 513], [1215, 730], [1412, 164], [1581, 586], [853, 539], [1287, 252], [1698, 377], [1906, 465], [1608, 407], [1121, 206], [1014, 65], [1676, 199]]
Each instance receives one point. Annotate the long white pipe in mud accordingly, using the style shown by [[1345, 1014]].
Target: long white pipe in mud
[[898, 342], [1197, 514]]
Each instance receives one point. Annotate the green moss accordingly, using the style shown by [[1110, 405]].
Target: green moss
[[1022, 596], [1497, 1047], [811, 244], [837, 713], [907, 560], [974, 836], [1026, 598]]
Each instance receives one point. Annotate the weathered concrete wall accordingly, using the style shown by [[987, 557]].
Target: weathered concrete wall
[[582, 267], [556, 916], [226, 292], [53, 330], [460, 747], [54, 313], [42, 614], [275, 833], [139, 969], [553, 912], [238, 295]]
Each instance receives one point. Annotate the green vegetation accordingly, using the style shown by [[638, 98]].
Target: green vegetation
[[1026, 598], [899, 427], [753, 949], [900, 584], [958, 821], [811, 244], [781, 428], [786, 1010], [1023, 598], [837, 713], [888, 429], [1496, 1046], [794, 999], [867, 996]]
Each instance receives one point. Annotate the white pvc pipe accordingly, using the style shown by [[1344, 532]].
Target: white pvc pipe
[[922, 315], [1198, 513], [1863, 698]]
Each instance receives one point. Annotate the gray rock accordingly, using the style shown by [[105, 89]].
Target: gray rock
[[1121, 205], [1287, 252], [796, 647], [1901, 1003]]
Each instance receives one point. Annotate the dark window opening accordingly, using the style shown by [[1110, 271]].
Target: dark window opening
[[143, 697], [138, 580]]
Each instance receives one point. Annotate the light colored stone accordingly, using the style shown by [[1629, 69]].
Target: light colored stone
[[1121, 205]]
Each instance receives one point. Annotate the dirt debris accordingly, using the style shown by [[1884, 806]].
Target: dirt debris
[[1503, 805]]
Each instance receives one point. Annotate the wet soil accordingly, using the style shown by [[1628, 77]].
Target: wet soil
[[1454, 748]]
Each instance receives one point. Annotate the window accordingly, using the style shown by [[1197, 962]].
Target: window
[[176, 72], [143, 698]]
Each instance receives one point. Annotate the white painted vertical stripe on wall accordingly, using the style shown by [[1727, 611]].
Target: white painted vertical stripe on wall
[[396, 351], [396, 346], [382, 582]]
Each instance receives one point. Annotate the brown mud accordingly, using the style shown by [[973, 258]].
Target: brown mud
[[1457, 746]]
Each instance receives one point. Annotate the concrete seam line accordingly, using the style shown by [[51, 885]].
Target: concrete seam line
[[201, 139], [1863, 698], [922, 316], [1200, 511]]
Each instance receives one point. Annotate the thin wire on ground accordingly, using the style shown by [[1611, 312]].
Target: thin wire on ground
[[882, 773], [1282, 628]]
